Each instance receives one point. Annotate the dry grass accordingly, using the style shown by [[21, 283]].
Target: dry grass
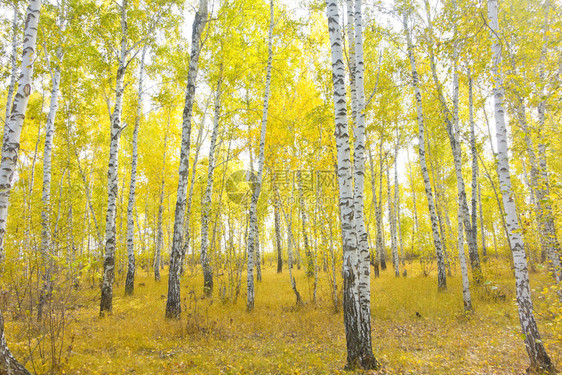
[[276, 338]]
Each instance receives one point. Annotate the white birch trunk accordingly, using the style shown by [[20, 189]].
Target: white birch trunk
[[10, 150], [173, 304], [13, 62], [290, 256], [309, 272], [130, 281], [547, 223], [279, 249], [474, 181], [475, 186], [368, 360], [106, 302], [252, 232], [380, 246], [159, 230], [207, 199], [392, 220], [453, 131], [359, 352], [46, 246], [540, 361], [186, 233], [467, 301], [441, 277], [375, 204], [397, 202]]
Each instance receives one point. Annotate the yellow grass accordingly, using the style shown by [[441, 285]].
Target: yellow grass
[[276, 338]]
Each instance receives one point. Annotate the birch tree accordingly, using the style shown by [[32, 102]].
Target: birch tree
[[173, 304], [253, 214], [10, 151], [359, 351], [392, 219], [451, 119], [46, 246], [441, 275], [13, 63], [159, 229], [130, 281], [106, 302], [540, 361], [207, 198]]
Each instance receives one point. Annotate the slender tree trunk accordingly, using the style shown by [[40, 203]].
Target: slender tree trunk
[[441, 276], [290, 242], [257, 189], [392, 219], [304, 224], [186, 232], [475, 185], [159, 230], [207, 200], [46, 246], [535, 348], [397, 202], [13, 62], [173, 304], [467, 301], [380, 248], [278, 237], [374, 203], [10, 150], [106, 302], [368, 360], [359, 351], [416, 229], [482, 231], [543, 184], [453, 131], [130, 281], [474, 182]]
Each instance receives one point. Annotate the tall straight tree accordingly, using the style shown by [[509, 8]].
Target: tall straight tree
[[359, 350], [540, 361], [368, 360], [207, 199], [130, 281], [46, 246], [159, 229], [547, 224], [10, 151], [106, 303], [451, 119], [173, 304], [278, 246], [252, 231], [441, 275], [392, 219]]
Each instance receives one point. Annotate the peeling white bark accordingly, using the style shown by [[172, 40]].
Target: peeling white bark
[[535, 349], [252, 232], [207, 199], [10, 150], [106, 303], [442, 278], [130, 281], [173, 304]]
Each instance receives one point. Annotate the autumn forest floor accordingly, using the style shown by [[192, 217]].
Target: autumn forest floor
[[277, 338]]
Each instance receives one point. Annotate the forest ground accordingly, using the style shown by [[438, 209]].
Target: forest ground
[[277, 338]]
